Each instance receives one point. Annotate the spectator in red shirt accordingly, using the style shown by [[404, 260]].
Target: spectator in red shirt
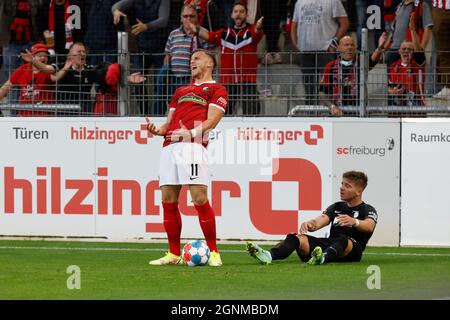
[[108, 78], [339, 86], [239, 60], [36, 87], [406, 74]]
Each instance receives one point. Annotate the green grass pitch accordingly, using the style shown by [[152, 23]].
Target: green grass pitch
[[38, 270]]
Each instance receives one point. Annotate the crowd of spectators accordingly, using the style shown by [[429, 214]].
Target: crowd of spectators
[[65, 51]]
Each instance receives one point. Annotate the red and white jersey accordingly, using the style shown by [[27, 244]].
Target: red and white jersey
[[35, 88], [190, 104], [441, 4]]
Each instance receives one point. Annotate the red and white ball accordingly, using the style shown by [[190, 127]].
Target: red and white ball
[[196, 253]]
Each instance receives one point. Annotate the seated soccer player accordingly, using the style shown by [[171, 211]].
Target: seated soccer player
[[352, 224]]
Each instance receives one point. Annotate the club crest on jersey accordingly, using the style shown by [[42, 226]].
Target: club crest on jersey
[[191, 97], [206, 89]]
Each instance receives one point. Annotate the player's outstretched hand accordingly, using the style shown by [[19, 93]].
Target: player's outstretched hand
[[161, 131], [181, 134]]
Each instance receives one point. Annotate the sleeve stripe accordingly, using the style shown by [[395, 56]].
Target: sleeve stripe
[[172, 109], [217, 106]]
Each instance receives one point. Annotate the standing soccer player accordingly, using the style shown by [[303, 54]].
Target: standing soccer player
[[195, 109]]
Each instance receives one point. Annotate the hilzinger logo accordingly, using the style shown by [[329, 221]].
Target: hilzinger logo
[[311, 137], [51, 192], [367, 151], [141, 136]]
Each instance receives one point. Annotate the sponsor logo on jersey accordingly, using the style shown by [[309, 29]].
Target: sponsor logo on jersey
[[191, 97], [222, 101]]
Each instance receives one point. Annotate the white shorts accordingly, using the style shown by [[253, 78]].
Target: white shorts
[[184, 163]]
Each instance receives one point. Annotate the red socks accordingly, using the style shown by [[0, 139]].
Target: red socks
[[208, 224], [172, 224]]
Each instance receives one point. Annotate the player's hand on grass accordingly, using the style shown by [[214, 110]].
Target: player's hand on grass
[[181, 134], [161, 131]]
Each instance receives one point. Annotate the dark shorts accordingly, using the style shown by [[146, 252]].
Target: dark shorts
[[353, 256]]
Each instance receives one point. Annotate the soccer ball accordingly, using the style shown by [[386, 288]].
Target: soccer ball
[[195, 253]]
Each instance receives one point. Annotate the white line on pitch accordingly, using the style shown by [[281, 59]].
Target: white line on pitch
[[223, 250]]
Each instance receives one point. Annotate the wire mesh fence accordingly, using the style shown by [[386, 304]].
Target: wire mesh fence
[[288, 88]]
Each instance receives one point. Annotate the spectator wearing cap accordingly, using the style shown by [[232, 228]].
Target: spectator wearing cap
[[35, 87], [74, 78]]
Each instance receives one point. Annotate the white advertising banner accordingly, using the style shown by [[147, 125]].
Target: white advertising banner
[[98, 177], [425, 216], [372, 146]]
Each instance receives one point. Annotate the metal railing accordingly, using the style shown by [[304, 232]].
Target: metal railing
[[286, 89]]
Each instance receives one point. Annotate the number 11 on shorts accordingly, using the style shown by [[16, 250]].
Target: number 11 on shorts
[[194, 170]]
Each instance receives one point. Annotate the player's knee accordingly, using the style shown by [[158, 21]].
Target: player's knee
[[304, 243], [169, 198], [199, 199], [348, 248]]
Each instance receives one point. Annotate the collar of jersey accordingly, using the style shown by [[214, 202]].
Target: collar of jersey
[[199, 84]]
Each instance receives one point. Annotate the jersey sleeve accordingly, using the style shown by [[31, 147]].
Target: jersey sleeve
[[372, 213], [330, 212], [219, 99], [14, 78], [215, 37], [113, 75], [174, 101], [256, 36]]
